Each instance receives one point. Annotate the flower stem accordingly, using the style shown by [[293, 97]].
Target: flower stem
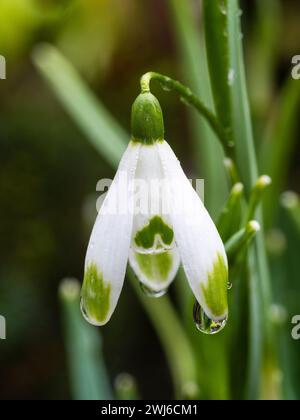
[[187, 96]]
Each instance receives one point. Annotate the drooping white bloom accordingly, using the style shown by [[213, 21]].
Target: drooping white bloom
[[174, 227]]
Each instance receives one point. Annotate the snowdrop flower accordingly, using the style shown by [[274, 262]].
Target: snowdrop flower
[[154, 241]]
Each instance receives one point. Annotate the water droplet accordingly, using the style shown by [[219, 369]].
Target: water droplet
[[231, 77], [229, 285], [84, 313], [223, 8], [152, 293], [184, 101], [165, 87], [205, 324]]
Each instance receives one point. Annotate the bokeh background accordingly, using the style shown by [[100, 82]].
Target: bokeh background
[[48, 175]]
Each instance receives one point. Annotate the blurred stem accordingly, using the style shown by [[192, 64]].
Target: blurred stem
[[279, 144], [216, 33], [101, 128], [208, 156], [192, 58], [88, 377], [256, 195], [187, 95], [179, 353], [259, 281], [241, 240], [232, 173], [126, 387]]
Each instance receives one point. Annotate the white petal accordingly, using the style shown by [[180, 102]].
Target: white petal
[[157, 270], [200, 246], [108, 249], [154, 256]]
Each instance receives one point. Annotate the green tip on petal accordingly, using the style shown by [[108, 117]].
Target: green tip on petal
[[215, 290], [147, 124], [95, 296]]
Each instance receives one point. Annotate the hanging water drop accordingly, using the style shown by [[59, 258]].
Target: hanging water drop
[[229, 285], [152, 293], [205, 324], [185, 101], [85, 315]]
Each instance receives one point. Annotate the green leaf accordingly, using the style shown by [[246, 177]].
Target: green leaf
[[279, 144], [88, 377], [88, 112], [260, 292]]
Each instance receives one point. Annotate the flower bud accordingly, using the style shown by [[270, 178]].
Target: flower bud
[[147, 124]]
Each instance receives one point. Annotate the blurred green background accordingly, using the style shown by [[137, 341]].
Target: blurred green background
[[48, 176]]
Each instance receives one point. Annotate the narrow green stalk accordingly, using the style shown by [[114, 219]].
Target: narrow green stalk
[[232, 172], [79, 101], [241, 240], [291, 202], [126, 387], [187, 95], [230, 217], [216, 32], [88, 377]]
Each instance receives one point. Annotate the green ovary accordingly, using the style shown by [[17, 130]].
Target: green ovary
[[145, 238], [215, 292], [95, 294], [156, 267]]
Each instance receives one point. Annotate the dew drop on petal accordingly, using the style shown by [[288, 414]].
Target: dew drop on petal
[[206, 325], [152, 293]]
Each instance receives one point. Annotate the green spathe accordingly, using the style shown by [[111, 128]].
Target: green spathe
[[145, 238], [215, 291], [111, 409], [95, 295], [147, 124], [155, 267]]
